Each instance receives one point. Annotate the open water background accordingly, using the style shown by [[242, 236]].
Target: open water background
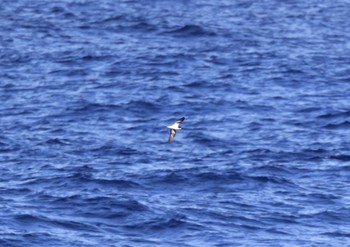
[[86, 88]]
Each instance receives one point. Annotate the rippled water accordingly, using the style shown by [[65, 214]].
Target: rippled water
[[87, 88]]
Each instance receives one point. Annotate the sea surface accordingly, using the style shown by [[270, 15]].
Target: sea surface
[[87, 88]]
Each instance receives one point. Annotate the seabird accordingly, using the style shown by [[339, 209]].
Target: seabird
[[174, 127]]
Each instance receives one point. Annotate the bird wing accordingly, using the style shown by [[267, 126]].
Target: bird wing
[[177, 123], [180, 120], [172, 135]]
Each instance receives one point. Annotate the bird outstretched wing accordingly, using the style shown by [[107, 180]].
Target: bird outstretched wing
[[180, 120], [172, 135]]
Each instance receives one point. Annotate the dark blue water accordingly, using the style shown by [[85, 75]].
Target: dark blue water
[[87, 88]]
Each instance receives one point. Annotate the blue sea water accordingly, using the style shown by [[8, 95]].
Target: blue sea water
[[87, 88]]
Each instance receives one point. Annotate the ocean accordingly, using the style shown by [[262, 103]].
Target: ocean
[[87, 88]]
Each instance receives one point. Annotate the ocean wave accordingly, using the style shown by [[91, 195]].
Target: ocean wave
[[342, 157], [342, 234], [338, 126], [190, 30], [44, 222], [335, 115], [165, 224]]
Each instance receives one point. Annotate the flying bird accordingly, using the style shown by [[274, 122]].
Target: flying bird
[[174, 127]]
